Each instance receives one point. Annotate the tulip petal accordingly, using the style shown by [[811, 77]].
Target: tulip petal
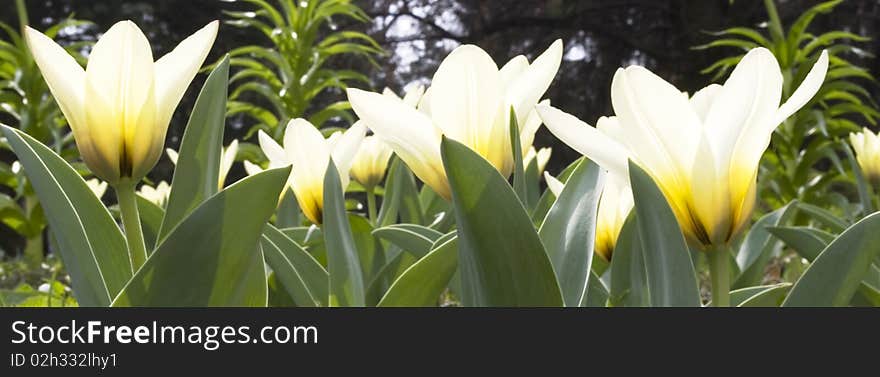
[[512, 70], [614, 207], [710, 192], [64, 76], [658, 124], [176, 69], [553, 184], [67, 82], [346, 148], [808, 88], [408, 131], [413, 96], [172, 155], [251, 168], [736, 126], [466, 102], [425, 103], [226, 161], [530, 128], [531, 84], [309, 154], [119, 97], [589, 141], [702, 100], [274, 152]]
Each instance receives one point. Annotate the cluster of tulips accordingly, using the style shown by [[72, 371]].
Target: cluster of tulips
[[701, 151]]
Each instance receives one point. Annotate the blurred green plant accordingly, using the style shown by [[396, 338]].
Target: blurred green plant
[[279, 82], [804, 161], [25, 101]]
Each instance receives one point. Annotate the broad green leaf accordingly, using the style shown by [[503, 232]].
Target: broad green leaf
[[670, 273], [760, 296], [547, 198], [413, 238], [501, 259], [90, 243], [865, 191], [823, 216], [401, 196], [533, 184], [151, 220], [628, 282], [597, 293], [757, 248], [278, 295], [304, 235], [833, 278], [301, 275], [288, 213], [569, 231], [423, 282], [519, 179], [395, 266], [370, 252], [198, 163], [808, 242], [213, 257], [346, 277]]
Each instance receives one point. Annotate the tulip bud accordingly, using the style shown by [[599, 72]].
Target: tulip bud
[[867, 147], [370, 162]]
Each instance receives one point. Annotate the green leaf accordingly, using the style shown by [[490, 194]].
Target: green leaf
[[670, 273], [533, 184], [597, 293], [90, 243], [401, 197], [757, 248], [547, 198], [501, 259], [865, 191], [212, 258], [302, 276], [808, 242], [833, 278], [371, 255], [304, 235], [519, 178], [823, 216], [569, 231], [423, 282], [197, 172], [151, 220], [760, 296], [288, 213], [346, 277], [413, 238], [629, 287]]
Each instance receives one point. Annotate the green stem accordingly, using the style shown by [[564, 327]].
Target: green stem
[[371, 205], [775, 21], [719, 260], [21, 9], [33, 248], [131, 222]]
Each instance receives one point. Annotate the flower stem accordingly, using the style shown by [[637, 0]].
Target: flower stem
[[131, 222], [719, 260], [371, 205]]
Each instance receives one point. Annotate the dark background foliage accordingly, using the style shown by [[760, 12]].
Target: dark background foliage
[[599, 36]]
